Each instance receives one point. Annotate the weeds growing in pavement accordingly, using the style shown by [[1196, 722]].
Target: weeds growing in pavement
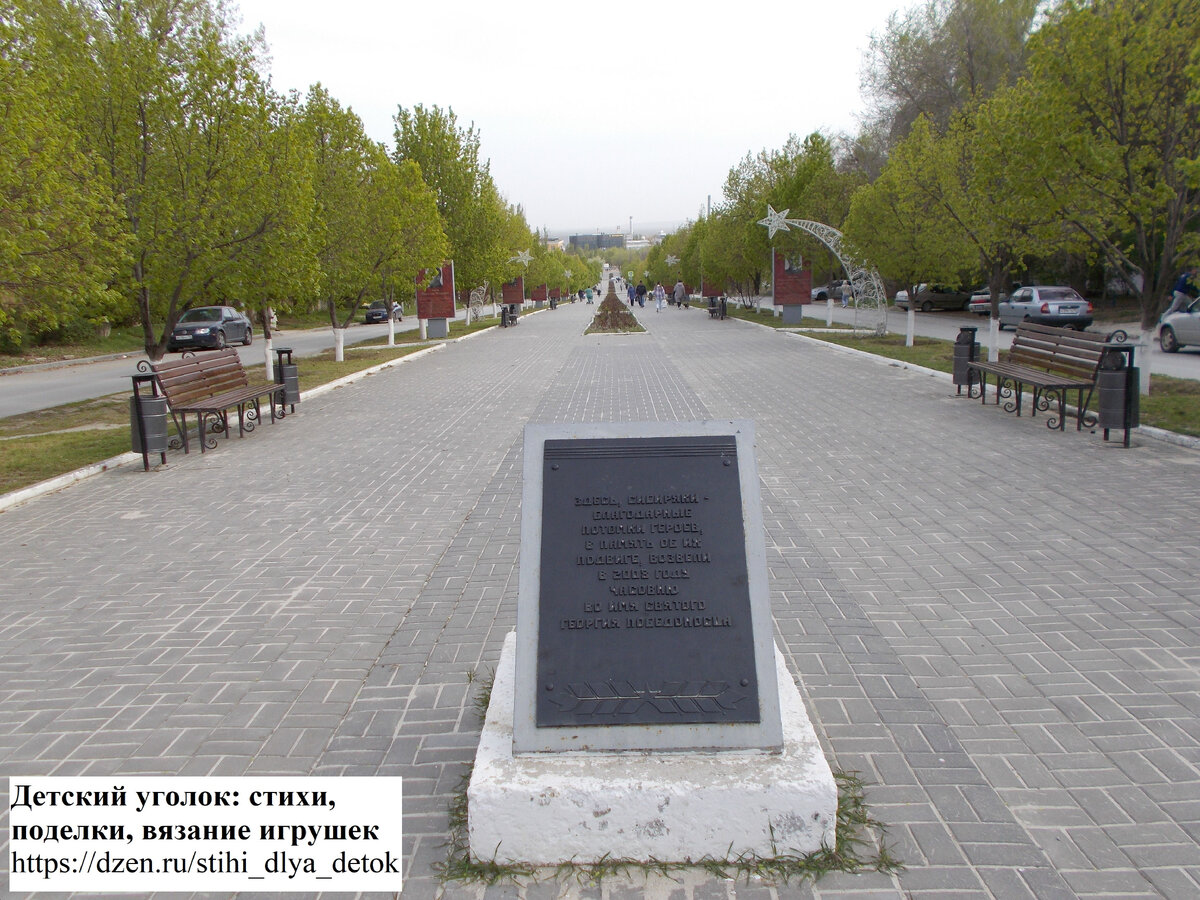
[[859, 844]]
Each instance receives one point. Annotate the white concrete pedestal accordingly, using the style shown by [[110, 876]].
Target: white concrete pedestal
[[549, 808]]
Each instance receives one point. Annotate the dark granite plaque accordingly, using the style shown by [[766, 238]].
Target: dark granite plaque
[[644, 613]]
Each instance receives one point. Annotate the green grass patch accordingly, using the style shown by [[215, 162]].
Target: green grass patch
[[128, 339], [767, 317], [37, 445], [28, 460], [1173, 403]]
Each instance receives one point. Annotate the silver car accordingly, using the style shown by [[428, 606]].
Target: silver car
[[1046, 305], [1181, 328]]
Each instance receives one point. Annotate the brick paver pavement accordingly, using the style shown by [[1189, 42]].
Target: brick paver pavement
[[993, 622]]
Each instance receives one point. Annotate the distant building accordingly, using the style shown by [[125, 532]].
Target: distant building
[[555, 244], [596, 241]]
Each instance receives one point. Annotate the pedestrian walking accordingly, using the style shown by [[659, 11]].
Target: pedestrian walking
[[1186, 290], [680, 294], [640, 293], [632, 294], [660, 297], [847, 293], [589, 295]]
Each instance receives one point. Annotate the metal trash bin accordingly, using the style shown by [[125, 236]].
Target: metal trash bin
[[1118, 398], [287, 374], [148, 423], [966, 351]]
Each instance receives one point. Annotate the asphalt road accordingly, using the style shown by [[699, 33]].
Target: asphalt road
[[40, 387]]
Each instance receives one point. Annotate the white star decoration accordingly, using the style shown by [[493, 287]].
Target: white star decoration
[[775, 221], [672, 260], [568, 273], [524, 258]]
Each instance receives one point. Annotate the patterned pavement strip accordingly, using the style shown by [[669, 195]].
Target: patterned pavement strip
[[994, 623]]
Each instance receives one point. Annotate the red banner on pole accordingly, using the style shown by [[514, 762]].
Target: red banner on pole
[[513, 291], [437, 300], [793, 282], [538, 294]]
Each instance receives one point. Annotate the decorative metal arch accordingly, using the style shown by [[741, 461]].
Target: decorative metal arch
[[868, 286]]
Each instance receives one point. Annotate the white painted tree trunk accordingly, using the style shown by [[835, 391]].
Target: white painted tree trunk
[[1141, 359], [391, 332], [339, 344], [267, 358], [421, 328], [911, 328], [829, 312], [993, 339]]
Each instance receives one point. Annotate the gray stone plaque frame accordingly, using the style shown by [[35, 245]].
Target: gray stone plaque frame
[[528, 737]]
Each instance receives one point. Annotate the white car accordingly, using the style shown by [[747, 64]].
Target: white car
[[1181, 328], [981, 301]]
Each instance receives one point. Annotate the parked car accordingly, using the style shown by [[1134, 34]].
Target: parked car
[[378, 312], [981, 301], [934, 296], [823, 292], [211, 327], [1180, 329], [1046, 305]]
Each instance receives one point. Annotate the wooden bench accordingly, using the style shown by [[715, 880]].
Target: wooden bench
[[209, 385], [1053, 362]]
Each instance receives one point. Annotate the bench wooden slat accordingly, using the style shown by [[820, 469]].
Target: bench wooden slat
[[209, 385], [1049, 359]]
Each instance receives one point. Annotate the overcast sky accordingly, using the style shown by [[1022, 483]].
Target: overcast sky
[[591, 113]]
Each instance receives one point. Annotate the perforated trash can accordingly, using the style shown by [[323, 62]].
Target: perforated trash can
[[148, 416]]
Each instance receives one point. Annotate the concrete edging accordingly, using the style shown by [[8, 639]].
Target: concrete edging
[[58, 482], [1158, 434]]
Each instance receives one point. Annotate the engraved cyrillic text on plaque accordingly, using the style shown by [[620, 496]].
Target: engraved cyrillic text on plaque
[[645, 603]]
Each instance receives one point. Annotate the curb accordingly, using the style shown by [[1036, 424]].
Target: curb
[[1149, 431], [50, 485], [58, 482]]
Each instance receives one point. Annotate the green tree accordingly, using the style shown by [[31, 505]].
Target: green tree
[[177, 115], [899, 224], [377, 218], [60, 233], [467, 199], [279, 269], [1110, 86]]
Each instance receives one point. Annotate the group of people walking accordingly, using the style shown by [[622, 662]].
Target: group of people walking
[[677, 297]]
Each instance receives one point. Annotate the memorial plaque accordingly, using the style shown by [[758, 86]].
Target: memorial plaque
[[645, 606], [643, 619]]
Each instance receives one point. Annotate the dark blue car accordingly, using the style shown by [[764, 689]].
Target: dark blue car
[[211, 328]]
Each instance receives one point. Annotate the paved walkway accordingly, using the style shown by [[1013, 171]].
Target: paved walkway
[[995, 623]]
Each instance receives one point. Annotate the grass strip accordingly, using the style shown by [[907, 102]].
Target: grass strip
[[37, 445], [1173, 403]]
